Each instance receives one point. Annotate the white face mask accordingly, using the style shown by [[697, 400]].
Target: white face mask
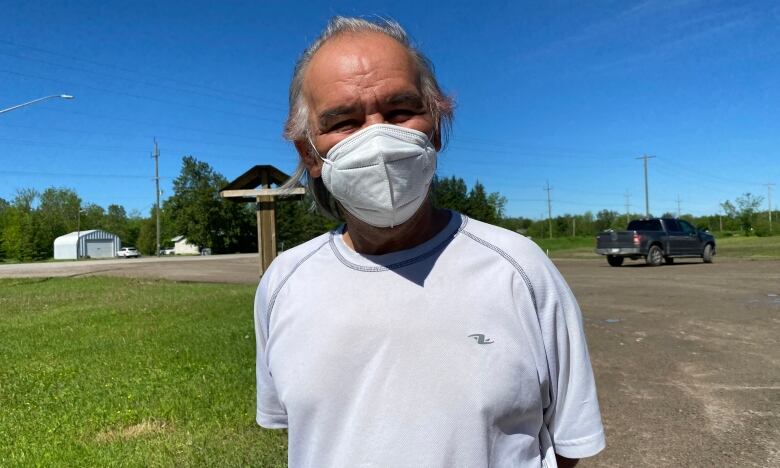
[[381, 174]]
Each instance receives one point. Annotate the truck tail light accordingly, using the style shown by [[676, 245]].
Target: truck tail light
[[637, 239]]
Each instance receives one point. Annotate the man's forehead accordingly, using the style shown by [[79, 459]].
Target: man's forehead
[[352, 61]]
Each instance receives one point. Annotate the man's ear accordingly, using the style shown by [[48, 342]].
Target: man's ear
[[436, 140], [310, 159]]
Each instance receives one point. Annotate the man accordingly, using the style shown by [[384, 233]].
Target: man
[[411, 336]]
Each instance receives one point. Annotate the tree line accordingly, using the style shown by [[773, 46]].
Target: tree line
[[31, 221]]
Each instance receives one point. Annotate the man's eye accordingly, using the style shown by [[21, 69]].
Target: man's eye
[[400, 115], [342, 126]]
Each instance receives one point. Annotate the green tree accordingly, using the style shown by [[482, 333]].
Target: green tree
[[297, 221], [608, 219], [115, 221], [518, 224], [5, 211], [58, 213], [451, 193], [22, 232], [586, 224], [135, 221], [202, 216], [92, 217], [147, 237], [744, 212]]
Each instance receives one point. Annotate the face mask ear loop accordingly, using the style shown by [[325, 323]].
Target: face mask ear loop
[[314, 148]]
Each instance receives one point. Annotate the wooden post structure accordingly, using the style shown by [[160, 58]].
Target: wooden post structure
[[266, 226], [255, 185]]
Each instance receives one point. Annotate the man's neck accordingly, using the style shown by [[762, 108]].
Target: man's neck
[[369, 240]]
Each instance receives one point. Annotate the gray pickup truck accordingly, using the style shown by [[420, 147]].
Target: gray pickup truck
[[656, 240]]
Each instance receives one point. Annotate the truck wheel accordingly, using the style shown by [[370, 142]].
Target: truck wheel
[[614, 261], [669, 260], [707, 255], [655, 256]]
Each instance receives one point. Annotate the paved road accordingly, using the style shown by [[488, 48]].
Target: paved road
[[686, 356], [238, 268]]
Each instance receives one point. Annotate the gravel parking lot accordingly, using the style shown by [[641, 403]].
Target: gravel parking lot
[[686, 355]]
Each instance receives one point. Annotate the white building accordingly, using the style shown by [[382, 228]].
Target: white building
[[86, 244], [181, 246]]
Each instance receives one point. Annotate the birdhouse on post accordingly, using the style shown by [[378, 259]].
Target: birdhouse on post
[[256, 185]]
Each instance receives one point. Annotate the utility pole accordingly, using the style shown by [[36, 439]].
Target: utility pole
[[679, 212], [549, 206], [769, 199], [647, 197], [574, 226], [628, 205], [156, 157]]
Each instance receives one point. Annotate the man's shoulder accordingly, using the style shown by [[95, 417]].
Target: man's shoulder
[[288, 261], [507, 243]]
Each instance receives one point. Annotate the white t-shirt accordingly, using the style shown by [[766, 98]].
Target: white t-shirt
[[465, 351]]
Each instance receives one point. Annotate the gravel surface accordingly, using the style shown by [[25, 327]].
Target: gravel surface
[[686, 356], [687, 360]]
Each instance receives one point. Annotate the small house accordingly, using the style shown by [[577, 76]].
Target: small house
[[181, 246]]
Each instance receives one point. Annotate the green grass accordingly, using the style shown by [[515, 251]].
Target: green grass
[[751, 248], [109, 372], [754, 248], [568, 247]]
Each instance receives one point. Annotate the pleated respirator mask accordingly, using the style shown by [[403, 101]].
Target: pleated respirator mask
[[381, 174]]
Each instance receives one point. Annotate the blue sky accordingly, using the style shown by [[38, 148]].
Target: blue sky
[[565, 92]]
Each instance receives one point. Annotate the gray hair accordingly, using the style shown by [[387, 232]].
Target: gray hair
[[296, 128]]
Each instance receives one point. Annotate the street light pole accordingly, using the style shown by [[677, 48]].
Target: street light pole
[[62, 96]]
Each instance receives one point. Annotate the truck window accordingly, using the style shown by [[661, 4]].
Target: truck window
[[686, 227], [645, 225], [672, 225]]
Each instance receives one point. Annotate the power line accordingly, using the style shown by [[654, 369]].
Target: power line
[[114, 149], [513, 151], [677, 167], [137, 96], [126, 70], [136, 135], [144, 82], [148, 123], [78, 175]]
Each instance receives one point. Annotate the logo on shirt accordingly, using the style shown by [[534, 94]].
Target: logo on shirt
[[480, 338]]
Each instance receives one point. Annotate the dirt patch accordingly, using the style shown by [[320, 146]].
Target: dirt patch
[[144, 428]]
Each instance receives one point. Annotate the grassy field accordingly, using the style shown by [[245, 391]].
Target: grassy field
[[750, 248], [754, 248], [109, 372]]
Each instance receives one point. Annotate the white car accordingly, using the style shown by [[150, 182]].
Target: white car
[[128, 252]]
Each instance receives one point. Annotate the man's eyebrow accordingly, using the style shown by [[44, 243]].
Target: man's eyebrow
[[326, 115], [413, 99]]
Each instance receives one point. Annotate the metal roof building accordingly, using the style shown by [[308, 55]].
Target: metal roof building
[[92, 244]]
